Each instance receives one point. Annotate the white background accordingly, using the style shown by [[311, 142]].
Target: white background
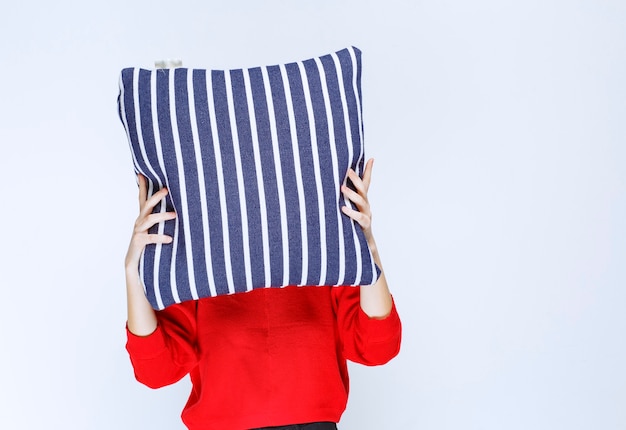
[[498, 129]]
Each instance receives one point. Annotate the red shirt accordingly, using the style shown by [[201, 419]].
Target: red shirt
[[268, 357]]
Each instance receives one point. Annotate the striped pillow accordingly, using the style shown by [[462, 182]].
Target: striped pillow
[[253, 160]]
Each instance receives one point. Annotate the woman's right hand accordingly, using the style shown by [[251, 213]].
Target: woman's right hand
[[145, 220], [142, 319]]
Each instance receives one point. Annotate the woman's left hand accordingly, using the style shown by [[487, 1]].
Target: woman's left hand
[[375, 299], [363, 216]]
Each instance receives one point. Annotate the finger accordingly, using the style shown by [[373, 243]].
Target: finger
[[367, 174], [357, 182], [139, 242], [153, 219], [362, 219], [143, 189], [153, 201], [360, 201], [158, 238]]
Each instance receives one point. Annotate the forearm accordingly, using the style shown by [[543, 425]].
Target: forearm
[[376, 299], [366, 339], [142, 319]]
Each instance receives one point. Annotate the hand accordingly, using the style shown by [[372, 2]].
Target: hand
[[145, 220], [363, 216], [375, 299]]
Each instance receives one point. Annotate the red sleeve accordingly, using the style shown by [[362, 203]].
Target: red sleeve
[[365, 340], [167, 354]]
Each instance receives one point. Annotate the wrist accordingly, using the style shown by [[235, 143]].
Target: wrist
[[371, 243], [131, 261], [131, 269], [369, 237], [130, 266]]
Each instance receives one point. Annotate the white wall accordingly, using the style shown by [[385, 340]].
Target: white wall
[[499, 197]]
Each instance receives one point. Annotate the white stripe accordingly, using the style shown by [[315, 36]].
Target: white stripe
[[259, 179], [142, 260], [358, 107], [240, 183], [173, 266], [183, 192], [361, 139], [317, 173], [201, 182], [346, 121], [298, 174], [144, 155], [125, 122], [159, 151], [279, 175], [336, 179], [220, 183], [150, 190], [136, 164]]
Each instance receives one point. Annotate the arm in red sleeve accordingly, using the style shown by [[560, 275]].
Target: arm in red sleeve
[[168, 353], [366, 340]]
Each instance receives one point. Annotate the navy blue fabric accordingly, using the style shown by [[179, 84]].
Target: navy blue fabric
[[253, 160]]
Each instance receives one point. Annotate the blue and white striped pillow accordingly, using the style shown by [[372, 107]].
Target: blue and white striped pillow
[[253, 160]]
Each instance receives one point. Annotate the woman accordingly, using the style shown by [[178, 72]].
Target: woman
[[269, 358]]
